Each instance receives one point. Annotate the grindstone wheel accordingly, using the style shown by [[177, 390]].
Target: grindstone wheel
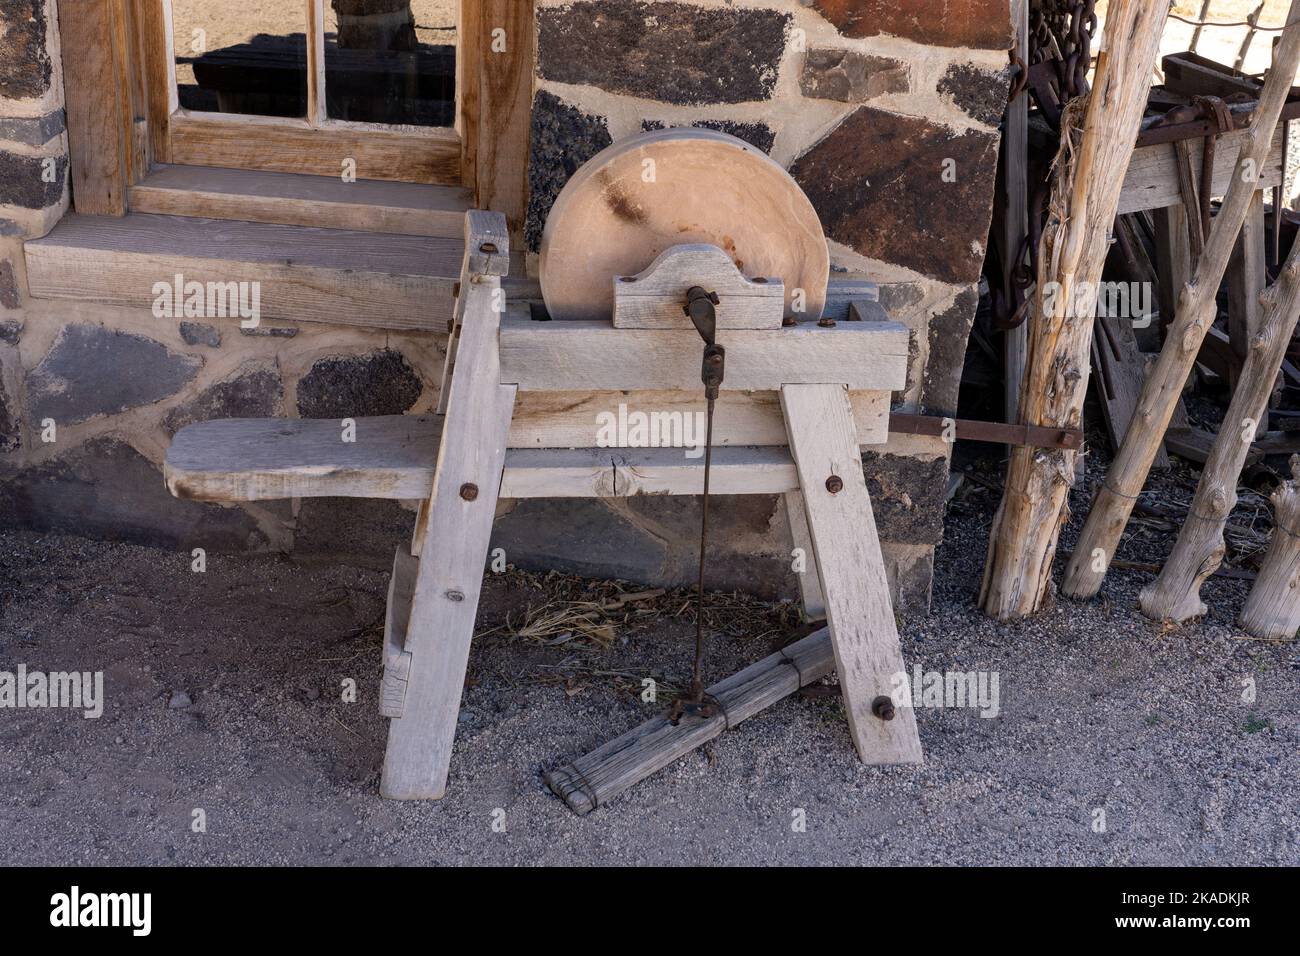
[[647, 193]]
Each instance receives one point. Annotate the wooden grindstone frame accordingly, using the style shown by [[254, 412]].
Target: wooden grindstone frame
[[502, 432]]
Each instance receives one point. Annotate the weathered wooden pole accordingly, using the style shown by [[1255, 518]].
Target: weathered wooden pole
[[1273, 609], [1175, 594], [1098, 133], [1196, 311]]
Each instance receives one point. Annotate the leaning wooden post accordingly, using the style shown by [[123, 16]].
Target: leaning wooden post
[[1273, 609], [1196, 312], [1176, 593], [1097, 141]]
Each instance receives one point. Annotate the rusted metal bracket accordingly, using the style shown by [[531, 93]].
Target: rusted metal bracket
[[999, 433]]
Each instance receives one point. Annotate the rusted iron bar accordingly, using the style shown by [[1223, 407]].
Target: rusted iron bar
[[998, 433]]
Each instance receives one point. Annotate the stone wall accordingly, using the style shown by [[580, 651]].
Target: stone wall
[[868, 102], [885, 111]]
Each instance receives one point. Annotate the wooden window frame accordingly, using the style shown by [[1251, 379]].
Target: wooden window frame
[[315, 144], [122, 118]]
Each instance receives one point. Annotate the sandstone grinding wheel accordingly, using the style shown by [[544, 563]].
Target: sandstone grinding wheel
[[649, 192]]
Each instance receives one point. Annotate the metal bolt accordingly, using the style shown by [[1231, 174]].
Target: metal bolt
[[455, 289], [835, 484], [469, 491], [788, 321], [826, 322], [455, 596], [883, 708], [489, 247]]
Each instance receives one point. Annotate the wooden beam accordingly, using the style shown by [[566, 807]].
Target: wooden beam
[[551, 356], [294, 146], [1272, 611], [854, 585], [1247, 279], [158, 72], [394, 457], [209, 192], [810, 584], [505, 55], [97, 99], [1151, 181], [597, 778]]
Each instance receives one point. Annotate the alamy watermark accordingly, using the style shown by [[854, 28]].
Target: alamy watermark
[[1122, 300], [977, 690], [181, 299], [652, 430], [73, 690]]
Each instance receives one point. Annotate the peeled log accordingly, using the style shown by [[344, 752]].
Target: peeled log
[[1176, 594], [1273, 609], [1196, 310], [1098, 133]]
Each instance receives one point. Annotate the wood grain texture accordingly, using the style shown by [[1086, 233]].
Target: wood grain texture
[[153, 18], [1197, 308], [327, 202], [859, 612], [97, 104], [505, 55], [375, 280], [559, 356], [397, 660], [656, 297], [594, 780], [1152, 178], [468, 87], [471, 450], [648, 192], [294, 146], [394, 457], [1272, 611], [810, 586]]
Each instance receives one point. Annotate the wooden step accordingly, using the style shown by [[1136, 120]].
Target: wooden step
[[305, 274], [256, 459], [295, 199]]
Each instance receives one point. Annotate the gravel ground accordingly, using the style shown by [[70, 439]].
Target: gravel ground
[[1100, 710]]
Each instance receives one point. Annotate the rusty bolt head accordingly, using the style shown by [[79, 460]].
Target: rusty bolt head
[[826, 322], [788, 321], [469, 491], [455, 595], [488, 247], [883, 708], [835, 484]]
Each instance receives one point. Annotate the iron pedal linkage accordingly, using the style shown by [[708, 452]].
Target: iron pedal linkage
[[701, 308]]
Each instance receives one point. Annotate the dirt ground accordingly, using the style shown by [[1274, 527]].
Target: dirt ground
[[1100, 710]]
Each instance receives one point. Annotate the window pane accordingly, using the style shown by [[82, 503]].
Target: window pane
[[391, 61], [248, 56]]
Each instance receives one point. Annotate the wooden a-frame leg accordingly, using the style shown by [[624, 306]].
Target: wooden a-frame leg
[[859, 611], [810, 585], [453, 552]]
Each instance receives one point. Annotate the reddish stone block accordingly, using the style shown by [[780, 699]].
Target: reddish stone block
[[905, 190], [981, 24]]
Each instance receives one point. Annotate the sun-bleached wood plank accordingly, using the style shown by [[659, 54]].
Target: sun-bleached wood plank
[[1152, 178], [859, 612], [810, 584], [210, 192], [542, 356]]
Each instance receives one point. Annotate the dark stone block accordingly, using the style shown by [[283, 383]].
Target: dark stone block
[[907, 496], [899, 298], [92, 370], [980, 94], [949, 333], [25, 68], [851, 77], [982, 24], [379, 383], [270, 331], [11, 331], [759, 135], [9, 297], [563, 138], [579, 536], [255, 391], [22, 180], [32, 131], [672, 52], [11, 436], [106, 489], [878, 182], [200, 333]]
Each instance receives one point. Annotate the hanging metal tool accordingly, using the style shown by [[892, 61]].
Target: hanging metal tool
[[701, 308]]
